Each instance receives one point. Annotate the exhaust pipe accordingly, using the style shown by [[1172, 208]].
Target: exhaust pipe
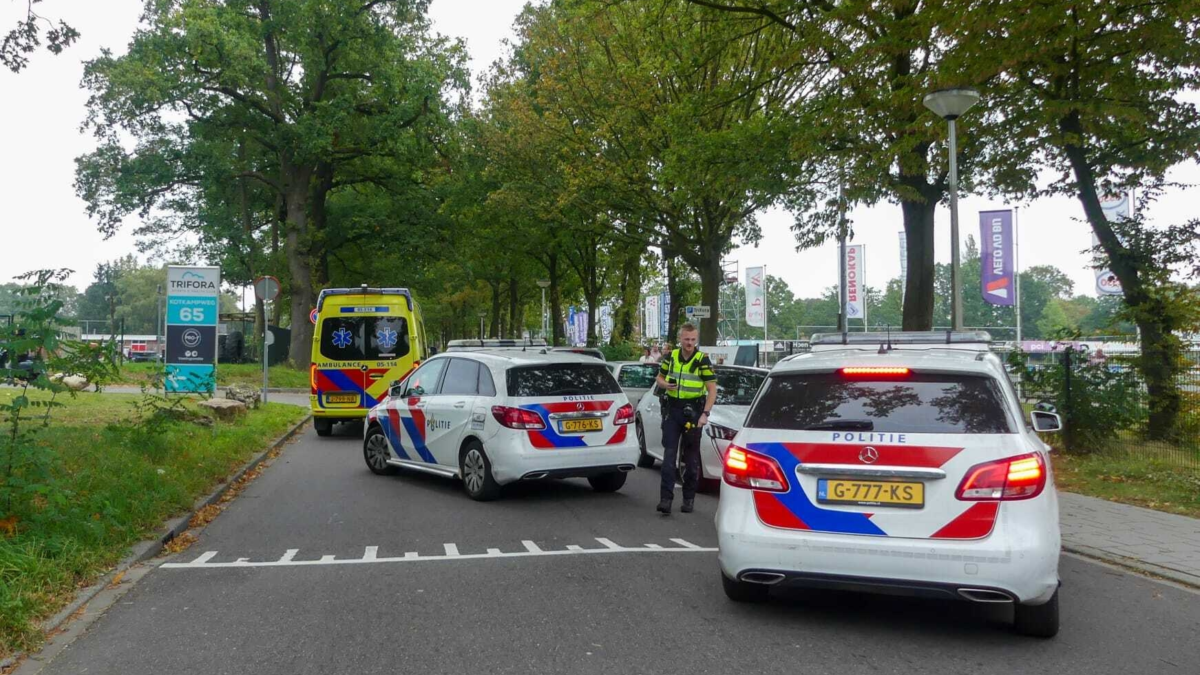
[[764, 578], [626, 467], [984, 595], [535, 475]]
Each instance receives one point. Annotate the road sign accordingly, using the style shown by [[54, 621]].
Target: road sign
[[698, 311], [191, 345], [312, 316], [266, 288], [270, 338]]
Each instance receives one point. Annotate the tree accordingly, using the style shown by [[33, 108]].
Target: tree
[[867, 115], [1098, 93], [27, 36], [664, 122], [305, 97]]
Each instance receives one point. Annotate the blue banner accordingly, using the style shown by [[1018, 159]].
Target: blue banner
[[997, 281]]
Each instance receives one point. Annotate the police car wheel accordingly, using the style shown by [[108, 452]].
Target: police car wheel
[[324, 427], [477, 473], [1037, 620], [644, 460], [376, 454], [741, 591], [608, 482]]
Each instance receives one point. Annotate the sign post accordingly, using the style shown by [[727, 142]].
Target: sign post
[[191, 345], [266, 289]]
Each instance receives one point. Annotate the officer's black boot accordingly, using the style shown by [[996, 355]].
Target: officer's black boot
[[688, 506], [664, 506]]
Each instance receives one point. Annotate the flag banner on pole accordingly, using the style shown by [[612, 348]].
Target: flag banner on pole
[[1116, 208], [856, 301], [997, 281], [756, 298], [903, 259], [664, 307]]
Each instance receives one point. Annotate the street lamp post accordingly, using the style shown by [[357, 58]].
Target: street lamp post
[[482, 315], [950, 104], [543, 284]]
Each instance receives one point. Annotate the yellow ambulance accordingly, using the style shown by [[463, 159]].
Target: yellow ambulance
[[364, 340]]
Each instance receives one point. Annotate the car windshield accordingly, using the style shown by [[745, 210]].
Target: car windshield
[[920, 403], [737, 387], [561, 379], [364, 338]]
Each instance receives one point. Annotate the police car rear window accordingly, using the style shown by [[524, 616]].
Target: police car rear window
[[364, 338], [920, 403], [561, 379]]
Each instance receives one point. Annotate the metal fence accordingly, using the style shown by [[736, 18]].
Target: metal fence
[[1106, 406]]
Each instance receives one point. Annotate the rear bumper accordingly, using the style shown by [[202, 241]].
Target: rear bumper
[[334, 413], [880, 586], [580, 472], [1018, 559], [513, 460]]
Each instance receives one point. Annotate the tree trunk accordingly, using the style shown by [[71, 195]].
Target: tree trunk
[[627, 312], [494, 325], [555, 303], [1160, 361], [299, 266], [322, 186], [918, 289], [514, 302], [710, 294], [672, 298]]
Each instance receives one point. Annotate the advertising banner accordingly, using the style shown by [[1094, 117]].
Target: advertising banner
[[1116, 208], [756, 297], [997, 282], [664, 316], [191, 347], [903, 261], [856, 301], [651, 317]]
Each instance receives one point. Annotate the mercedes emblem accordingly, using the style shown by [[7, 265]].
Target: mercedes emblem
[[868, 455]]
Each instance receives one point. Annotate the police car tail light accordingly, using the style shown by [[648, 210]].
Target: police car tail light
[[750, 470], [722, 432], [1022, 477], [874, 371], [624, 415], [517, 418]]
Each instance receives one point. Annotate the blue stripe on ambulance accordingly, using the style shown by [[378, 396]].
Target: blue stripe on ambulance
[[346, 384], [823, 520]]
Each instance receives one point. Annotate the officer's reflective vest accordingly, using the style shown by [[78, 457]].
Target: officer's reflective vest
[[686, 375]]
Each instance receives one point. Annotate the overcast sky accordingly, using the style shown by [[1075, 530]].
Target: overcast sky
[[44, 224]]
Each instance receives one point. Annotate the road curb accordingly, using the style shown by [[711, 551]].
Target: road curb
[[149, 548], [1134, 565]]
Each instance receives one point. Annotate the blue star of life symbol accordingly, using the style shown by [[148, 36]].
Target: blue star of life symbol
[[342, 338], [386, 337]]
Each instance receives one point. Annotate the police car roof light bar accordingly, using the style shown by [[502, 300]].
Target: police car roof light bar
[[903, 338], [364, 290]]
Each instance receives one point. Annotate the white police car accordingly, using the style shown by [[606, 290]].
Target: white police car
[[907, 470], [500, 416]]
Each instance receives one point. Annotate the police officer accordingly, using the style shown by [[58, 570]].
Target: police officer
[[686, 377]]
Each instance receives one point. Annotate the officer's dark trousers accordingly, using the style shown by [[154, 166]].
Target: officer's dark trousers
[[672, 431]]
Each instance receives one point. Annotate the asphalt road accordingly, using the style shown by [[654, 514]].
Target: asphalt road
[[532, 605]]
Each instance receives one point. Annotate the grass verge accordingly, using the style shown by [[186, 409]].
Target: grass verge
[[281, 376], [111, 484], [1130, 479]]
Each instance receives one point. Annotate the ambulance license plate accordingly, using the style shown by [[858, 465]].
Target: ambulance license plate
[[871, 493], [342, 398], [578, 426]]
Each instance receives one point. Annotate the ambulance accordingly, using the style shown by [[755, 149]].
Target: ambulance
[[365, 340]]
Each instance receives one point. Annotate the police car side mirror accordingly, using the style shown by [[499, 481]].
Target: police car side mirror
[[1045, 422]]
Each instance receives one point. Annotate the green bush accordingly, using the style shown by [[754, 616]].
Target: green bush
[[624, 351]]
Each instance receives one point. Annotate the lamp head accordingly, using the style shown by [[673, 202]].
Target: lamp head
[[950, 104]]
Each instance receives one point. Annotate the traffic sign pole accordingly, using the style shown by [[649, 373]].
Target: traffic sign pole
[[266, 289]]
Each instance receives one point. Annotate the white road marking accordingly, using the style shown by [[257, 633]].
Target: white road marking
[[371, 555]]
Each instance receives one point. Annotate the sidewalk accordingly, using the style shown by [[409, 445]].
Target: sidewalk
[[1159, 543]]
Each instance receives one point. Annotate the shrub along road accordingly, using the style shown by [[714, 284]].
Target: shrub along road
[[94, 483], [320, 566]]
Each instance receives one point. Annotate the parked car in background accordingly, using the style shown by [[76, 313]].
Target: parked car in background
[[635, 378], [736, 387]]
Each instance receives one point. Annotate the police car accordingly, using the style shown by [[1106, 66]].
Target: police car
[[495, 417], [895, 464]]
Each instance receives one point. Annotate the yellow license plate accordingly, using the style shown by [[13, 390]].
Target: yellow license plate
[[576, 426], [342, 398], [871, 493]]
